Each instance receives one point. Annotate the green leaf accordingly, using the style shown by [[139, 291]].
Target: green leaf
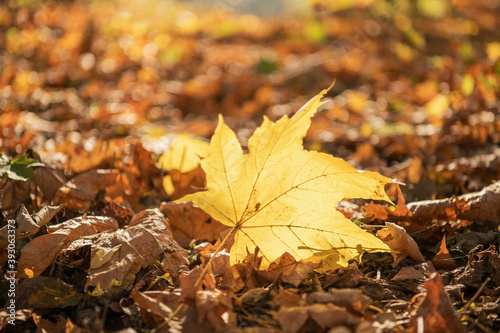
[[20, 168]]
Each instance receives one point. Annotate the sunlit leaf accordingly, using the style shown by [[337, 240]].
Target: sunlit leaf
[[281, 198]]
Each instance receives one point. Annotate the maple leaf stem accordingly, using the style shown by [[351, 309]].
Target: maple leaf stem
[[207, 266], [200, 278]]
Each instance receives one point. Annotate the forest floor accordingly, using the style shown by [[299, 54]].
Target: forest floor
[[95, 97]]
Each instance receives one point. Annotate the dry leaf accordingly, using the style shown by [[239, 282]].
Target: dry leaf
[[436, 309], [443, 259], [384, 212], [102, 256], [398, 240], [211, 305], [54, 293], [49, 180], [125, 251], [189, 222], [156, 306], [281, 198], [286, 298], [153, 302], [353, 299], [417, 272], [220, 268], [78, 193], [292, 319], [41, 252], [344, 277], [28, 225], [12, 192], [184, 183], [288, 270]]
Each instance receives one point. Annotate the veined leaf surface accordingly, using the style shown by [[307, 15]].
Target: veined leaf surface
[[282, 198]]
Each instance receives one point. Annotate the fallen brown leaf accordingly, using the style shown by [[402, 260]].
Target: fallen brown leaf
[[443, 259], [54, 293], [325, 316], [417, 272], [12, 193], [187, 222], [344, 277], [211, 305], [140, 245], [220, 268], [41, 252], [187, 183], [385, 213], [400, 242], [286, 298], [481, 264], [79, 192], [352, 299], [28, 225], [288, 270], [49, 180]]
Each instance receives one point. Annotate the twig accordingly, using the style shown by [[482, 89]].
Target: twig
[[103, 318], [370, 226], [198, 282], [256, 319], [316, 282], [480, 325], [375, 308], [476, 295]]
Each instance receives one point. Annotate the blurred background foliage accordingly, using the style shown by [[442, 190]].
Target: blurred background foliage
[[413, 79]]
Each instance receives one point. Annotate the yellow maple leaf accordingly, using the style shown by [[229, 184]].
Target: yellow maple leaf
[[184, 155], [281, 198]]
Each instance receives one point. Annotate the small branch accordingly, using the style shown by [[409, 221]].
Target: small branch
[[476, 295], [198, 282]]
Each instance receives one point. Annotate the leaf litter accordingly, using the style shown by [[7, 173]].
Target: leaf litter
[[415, 100]]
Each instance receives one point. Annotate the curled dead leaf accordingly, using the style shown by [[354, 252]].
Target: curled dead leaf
[[344, 277], [436, 310], [125, 251], [400, 242], [41, 252], [28, 225]]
